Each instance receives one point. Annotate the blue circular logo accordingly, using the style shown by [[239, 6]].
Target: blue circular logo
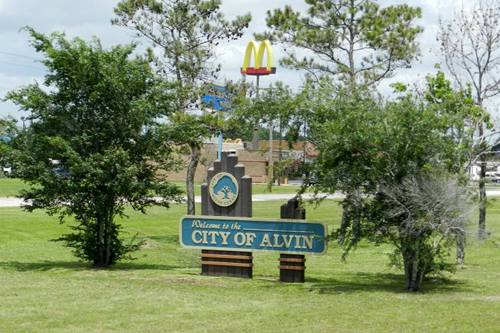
[[223, 189]]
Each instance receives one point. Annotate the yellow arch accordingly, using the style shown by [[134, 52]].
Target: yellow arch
[[252, 52], [265, 45], [249, 52]]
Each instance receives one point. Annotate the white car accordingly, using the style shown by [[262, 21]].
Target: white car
[[493, 176], [7, 170]]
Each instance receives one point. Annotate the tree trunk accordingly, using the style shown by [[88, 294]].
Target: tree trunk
[[461, 248], [354, 214], [482, 200], [413, 273], [191, 171], [103, 251], [101, 234], [108, 230], [351, 215], [461, 241]]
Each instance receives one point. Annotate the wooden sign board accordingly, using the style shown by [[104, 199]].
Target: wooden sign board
[[245, 234], [227, 192], [226, 233]]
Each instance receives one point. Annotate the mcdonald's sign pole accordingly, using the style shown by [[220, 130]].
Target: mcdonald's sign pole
[[256, 51]]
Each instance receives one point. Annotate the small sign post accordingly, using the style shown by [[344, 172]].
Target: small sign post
[[217, 99], [292, 266]]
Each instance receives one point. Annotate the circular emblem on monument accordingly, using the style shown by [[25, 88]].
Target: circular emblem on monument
[[223, 189]]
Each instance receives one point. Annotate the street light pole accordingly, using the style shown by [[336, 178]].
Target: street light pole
[[257, 51], [255, 138], [270, 163]]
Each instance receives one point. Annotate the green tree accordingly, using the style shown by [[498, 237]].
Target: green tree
[[350, 40], [470, 45], [187, 32], [8, 131], [278, 108], [347, 42], [391, 158], [93, 146], [462, 113]]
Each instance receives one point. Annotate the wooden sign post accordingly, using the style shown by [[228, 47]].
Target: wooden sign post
[[292, 266], [227, 235], [228, 192]]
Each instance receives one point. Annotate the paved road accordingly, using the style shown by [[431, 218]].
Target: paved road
[[15, 202]]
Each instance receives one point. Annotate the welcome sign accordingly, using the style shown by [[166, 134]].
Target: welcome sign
[[244, 234]]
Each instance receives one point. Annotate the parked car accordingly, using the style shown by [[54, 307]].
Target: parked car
[[7, 170], [493, 176]]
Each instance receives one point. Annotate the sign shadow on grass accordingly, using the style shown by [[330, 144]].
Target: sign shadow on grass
[[75, 265], [386, 282]]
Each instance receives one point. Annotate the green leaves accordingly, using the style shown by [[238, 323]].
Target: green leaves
[[276, 104], [191, 129], [364, 140], [94, 144], [389, 158], [8, 131], [186, 32], [353, 41]]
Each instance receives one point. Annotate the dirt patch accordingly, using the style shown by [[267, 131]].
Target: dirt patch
[[200, 281], [149, 244]]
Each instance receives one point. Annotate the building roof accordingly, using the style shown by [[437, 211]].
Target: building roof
[[298, 146]]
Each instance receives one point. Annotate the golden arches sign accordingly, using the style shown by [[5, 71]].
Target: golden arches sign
[[256, 52]]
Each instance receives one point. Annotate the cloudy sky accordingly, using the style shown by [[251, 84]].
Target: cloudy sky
[[86, 18]]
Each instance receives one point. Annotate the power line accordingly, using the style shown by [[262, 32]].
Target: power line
[[18, 55], [19, 65], [11, 54]]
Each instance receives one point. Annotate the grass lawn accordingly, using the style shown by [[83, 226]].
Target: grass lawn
[[10, 187], [44, 288]]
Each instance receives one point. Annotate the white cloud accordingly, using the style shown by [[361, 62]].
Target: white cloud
[[92, 17], [11, 82]]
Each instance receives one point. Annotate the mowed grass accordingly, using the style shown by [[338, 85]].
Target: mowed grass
[[43, 288], [10, 187]]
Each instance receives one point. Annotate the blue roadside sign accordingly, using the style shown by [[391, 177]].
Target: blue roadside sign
[[216, 98], [244, 234], [5, 138]]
